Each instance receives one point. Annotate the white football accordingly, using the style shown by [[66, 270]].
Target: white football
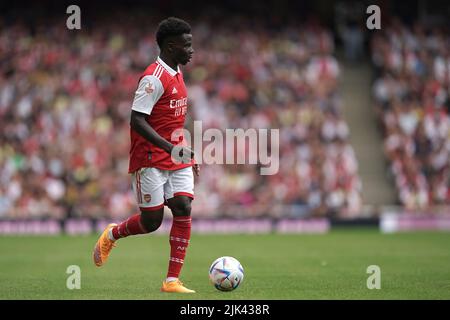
[[226, 273]]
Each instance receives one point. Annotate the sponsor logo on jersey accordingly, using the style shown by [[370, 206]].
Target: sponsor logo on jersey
[[176, 103]]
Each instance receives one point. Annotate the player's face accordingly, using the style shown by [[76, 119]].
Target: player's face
[[183, 50]]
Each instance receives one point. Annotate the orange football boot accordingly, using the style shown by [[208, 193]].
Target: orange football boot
[[176, 287], [103, 247]]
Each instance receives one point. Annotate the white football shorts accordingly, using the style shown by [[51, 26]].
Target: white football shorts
[[153, 186]]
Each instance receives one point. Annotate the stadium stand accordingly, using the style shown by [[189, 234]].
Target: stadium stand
[[412, 100], [64, 113]]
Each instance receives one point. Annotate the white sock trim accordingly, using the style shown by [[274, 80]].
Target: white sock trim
[[110, 235], [170, 279]]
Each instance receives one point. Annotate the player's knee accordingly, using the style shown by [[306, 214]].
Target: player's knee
[[150, 222], [181, 207]]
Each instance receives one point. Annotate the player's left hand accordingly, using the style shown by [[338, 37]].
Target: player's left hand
[[196, 168]]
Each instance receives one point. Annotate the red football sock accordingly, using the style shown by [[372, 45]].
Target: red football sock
[[129, 227], [179, 241]]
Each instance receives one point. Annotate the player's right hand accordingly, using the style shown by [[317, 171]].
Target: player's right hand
[[196, 168], [187, 152], [182, 154]]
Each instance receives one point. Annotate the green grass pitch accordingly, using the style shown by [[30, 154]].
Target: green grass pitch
[[331, 266]]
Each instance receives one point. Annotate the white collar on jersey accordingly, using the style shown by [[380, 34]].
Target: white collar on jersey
[[169, 69]]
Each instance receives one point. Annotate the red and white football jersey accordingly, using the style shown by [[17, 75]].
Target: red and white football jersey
[[162, 95]]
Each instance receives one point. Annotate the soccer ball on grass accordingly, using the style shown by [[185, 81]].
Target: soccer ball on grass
[[226, 273]]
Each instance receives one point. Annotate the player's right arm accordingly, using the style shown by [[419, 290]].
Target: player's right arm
[[149, 91], [141, 126]]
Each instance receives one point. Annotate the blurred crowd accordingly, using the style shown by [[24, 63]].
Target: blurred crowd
[[412, 95], [65, 99], [286, 80]]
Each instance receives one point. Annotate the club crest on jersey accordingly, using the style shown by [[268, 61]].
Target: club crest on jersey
[[149, 88], [174, 90], [147, 197]]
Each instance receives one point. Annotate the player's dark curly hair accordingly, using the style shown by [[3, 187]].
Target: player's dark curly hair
[[171, 27]]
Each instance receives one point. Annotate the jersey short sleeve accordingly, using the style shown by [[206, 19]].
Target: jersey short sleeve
[[149, 90]]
